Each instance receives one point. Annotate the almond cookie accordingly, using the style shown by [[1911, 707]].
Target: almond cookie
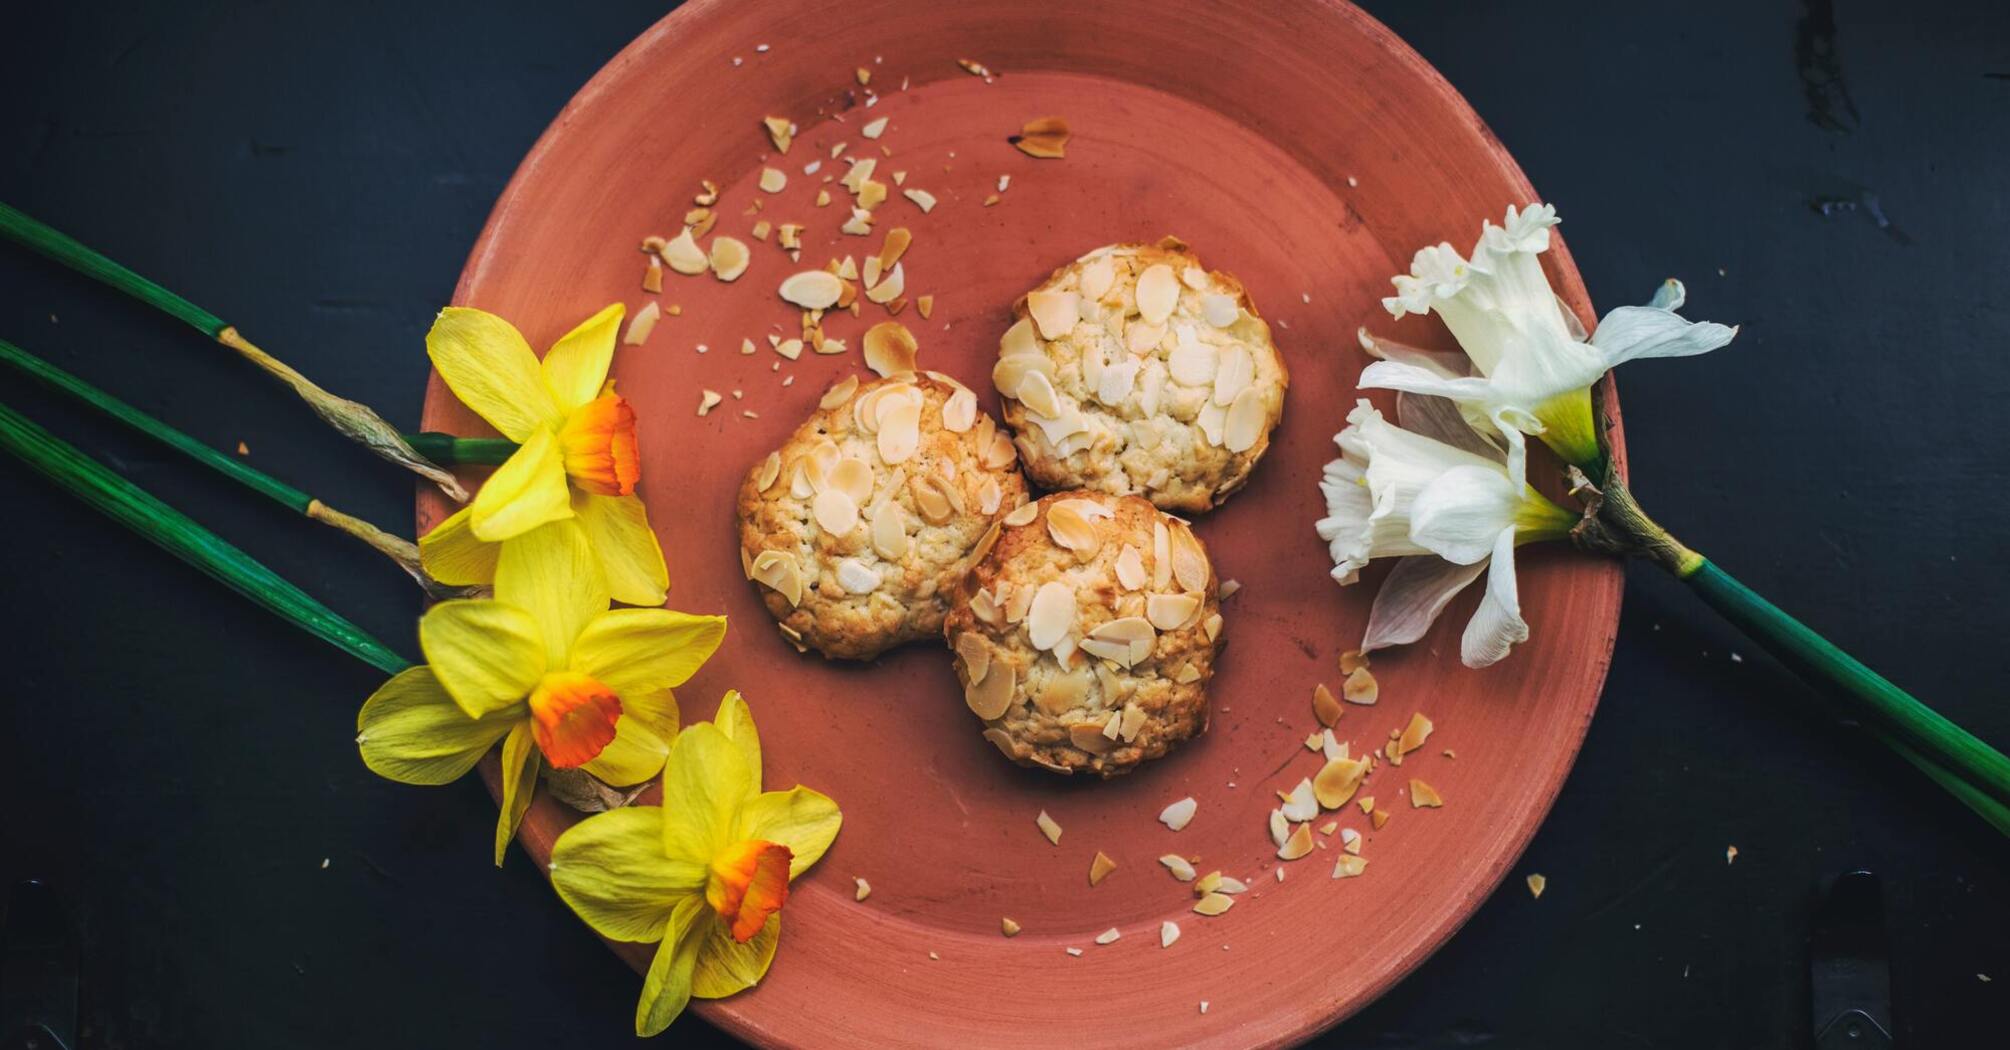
[[1135, 371], [858, 527], [1086, 637]]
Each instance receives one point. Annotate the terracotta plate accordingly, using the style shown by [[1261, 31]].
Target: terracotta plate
[[1301, 146]]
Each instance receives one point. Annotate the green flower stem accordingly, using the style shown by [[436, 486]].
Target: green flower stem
[[352, 419], [397, 548], [460, 451], [180, 535], [1970, 769]]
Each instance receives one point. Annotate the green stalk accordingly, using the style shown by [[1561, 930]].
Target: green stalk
[[400, 550], [1970, 769], [460, 451], [352, 419], [180, 535]]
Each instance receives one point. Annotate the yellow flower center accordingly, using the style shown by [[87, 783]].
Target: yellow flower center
[[572, 717], [598, 441], [748, 883]]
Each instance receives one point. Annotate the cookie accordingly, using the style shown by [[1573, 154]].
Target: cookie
[[1136, 371], [1085, 638], [857, 529]]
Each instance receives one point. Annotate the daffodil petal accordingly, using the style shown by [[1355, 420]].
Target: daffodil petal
[[803, 820], [528, 490], [519, 783], [735, 719], [643, 650], [576, 366], [726, 966], [551, 573], [453, 555], [412, 732], [705, 782], [642, 739], [666, 988], [1412, 596], [629, 551], [1630, 332], [487, 654], [611, 871], [486, 363], [1496, 626], [1458, 514]]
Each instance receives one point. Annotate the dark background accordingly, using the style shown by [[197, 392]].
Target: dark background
[[180, 764]]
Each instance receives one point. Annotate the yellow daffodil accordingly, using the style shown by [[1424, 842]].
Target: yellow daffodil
[[577, 456], [545, 667], [705, 874]]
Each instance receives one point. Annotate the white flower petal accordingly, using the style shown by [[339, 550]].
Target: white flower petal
[[1447, 363], [1643, 331], [1496, 626], [1461, 512], [1412, 596], [1670, 296], [1417, 379], [1446, 420]]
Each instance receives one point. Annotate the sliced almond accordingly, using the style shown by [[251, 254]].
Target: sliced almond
[[1208, 883], [652, 276], [1043, 137], [890, 286], [1298, 845], [1234, 370], [1179, 867], [1100, 868], [1379, 817], [1324, 707], [1109, 936], [853, 477], [889, 348], [835, 512], [1090, 737], [1280, 828], [684, 255], [1168, 933], [856, 577], [1424, 796], [1054, 313], [773, 180], [1193, 362], [975, 652], [864, 889], [643, 323], [1168, 611], [708, 400], [1022, 514], [781, 131], [839, 393], [1360, 687], [1244, 426], [861, 170], [922, 199], [889, 531], [1069, 528], [1189, 561], [1052, 614], [1162, 571], [873, 128], [1131, 571], [1214, 904], [1352, 660], [1097, 277], [1300, 803], [959, 413], [1220, 311], [1134, 632], [989, 496], [989, 697], [895, 245], [729, 258], [1064, 693], [1049, 828], [1179, 813], [812, 289], [1211, 626], [1414, 734], [899, 432], [1366, 803], [1134, 723], [779, 571], [1337, 781], [770, 469], [1537, 884], [1349, 865], [1157, 293], [931, 498], [1350, 840], [1020, 338]]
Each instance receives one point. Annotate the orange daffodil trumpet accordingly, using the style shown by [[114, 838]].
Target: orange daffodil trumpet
[[577, 457], [705, 875], [546, 668]]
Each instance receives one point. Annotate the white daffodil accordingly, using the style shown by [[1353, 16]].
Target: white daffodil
[[1449, 509], [1536, 365]]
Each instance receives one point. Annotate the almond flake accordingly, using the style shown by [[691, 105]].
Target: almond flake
[[729, 258], [925, 305], [889, 348], [1008, 927], [1049, 828], [781, 131], [1350, 840], [1324, 707], [890, 286], [1179, 813], [1054, 313], [1178, 865], [1075, 952], [1022, 514], [1298, 845], [1108, 936], [1337, 781], [895, 245], [1100, 868], [1379, 818], [1352, 660], [1360, 687], [922, 199], [864, 889], [1214, 904], [708, 400], [1536, 884], [1168, 611], [1300, 804], [835, 512], [1414, 734], [988, 700], [1168, 933], [1157, 294], [684, 255], [873, 128], [643, 323], [840, 391], [1349, 865], [812, 289], [1423, 795], [1312, 741], [652, 277], [774, 180], [823, 198], [1052, 613], [1280, 828], [1042, 137], [1246, 416]]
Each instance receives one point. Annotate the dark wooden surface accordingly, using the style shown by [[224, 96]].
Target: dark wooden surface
[[180, 765]]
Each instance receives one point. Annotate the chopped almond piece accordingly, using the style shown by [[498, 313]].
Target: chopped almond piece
[[761, 229], [1043, 137], [1352, 660], [1324, 707], [1049, 828], [1214, 904], [924, 305], [863, 74], [1298, 845], [1414, 734], [652, 278], [1379, 818], [1360, 687], [864, 889], [781, 131], [975, 69], [1168, 933], [1366, 802], [823, 198], [922, 199], [874, 128], [708, 400], [1423, 795], [1108, 936], [1100, 868], [1008, 927], [895, 246], [1536, 884], [1178, 865], [990, 200], [643, 323], [1348, 865]]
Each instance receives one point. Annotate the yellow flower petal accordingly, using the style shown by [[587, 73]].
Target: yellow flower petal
[[528, 490], [628, 549], [453, 555], [667, 987], [725, 966], [412, 732], [611, 871], [519, 782], [487, 655], [644, 650], [576, 366], [803, 820], [552, 574], [486, 363], [735, 719], [705, 781], [641, 740]]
